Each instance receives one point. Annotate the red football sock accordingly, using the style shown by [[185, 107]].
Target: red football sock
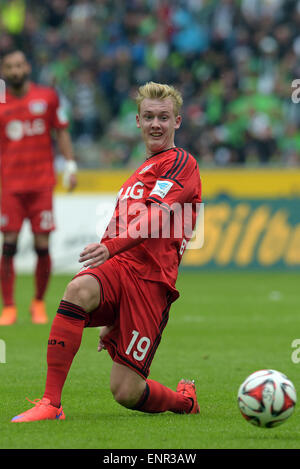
[[7, 273], [63, 344], [158, 398], [42, 272]]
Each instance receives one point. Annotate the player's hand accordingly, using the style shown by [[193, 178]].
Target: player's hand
[[69, 175], [72, 182], [104, 330], [94, 255]]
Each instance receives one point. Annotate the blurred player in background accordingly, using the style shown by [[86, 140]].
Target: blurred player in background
[[128, 282], [27, 119]]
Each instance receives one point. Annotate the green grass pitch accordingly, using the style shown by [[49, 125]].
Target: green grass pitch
[[225, 326]]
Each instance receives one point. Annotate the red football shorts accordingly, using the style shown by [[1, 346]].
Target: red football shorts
[[35, 206], [138, 309]]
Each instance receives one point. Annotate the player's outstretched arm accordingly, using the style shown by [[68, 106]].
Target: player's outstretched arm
[[94, 254], [132, 236]]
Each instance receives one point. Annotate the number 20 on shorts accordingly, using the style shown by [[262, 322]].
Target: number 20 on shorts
[[139, 347]]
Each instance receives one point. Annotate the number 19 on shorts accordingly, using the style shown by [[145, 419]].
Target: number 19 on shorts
[[139, 346]]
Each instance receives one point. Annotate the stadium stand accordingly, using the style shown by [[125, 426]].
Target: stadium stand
[[234, 61]]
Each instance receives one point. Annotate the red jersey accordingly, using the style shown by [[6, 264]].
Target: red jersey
[[170, 180], [26, 153]]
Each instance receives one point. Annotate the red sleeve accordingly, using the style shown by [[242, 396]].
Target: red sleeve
[[126, 241], [117, 245]]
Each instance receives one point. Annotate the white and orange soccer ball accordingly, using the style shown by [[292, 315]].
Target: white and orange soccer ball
[[267, 398]]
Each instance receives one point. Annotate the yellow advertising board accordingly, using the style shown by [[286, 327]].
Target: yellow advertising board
[[254, 183], [249, 233]]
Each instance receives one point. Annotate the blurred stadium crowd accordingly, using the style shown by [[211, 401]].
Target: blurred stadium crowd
[[233, 60]]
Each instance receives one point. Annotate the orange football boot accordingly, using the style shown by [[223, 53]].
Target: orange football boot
[[38, 312], [8, 316], [42, 410], [188, 389]]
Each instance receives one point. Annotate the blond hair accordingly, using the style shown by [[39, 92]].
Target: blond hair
[[152, 90]]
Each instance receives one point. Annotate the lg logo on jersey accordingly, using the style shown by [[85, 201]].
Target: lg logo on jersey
[[16, 129], [161, 188], [132, 192]]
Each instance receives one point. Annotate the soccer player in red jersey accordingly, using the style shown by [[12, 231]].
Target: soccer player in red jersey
[[127, 283], [27, 119]]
